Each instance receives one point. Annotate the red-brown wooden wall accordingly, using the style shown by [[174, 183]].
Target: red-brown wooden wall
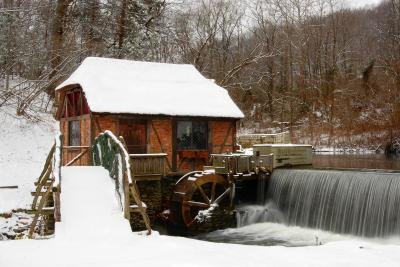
[[222, 136]]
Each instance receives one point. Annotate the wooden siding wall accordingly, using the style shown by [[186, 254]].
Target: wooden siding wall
[[160, 138], [68, 152], [223, 136], [103, 123]]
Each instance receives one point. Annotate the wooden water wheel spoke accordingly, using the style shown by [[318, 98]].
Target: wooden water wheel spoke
[[198, 204], [191, 222], [214, 185], [223, 195], [194, 195], [203, 194]]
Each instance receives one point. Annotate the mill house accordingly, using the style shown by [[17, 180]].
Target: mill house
[[169, 115]]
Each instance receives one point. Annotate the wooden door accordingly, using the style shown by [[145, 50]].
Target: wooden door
[[134, 133]]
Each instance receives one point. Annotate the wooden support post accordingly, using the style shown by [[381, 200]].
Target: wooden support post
[[57, 204], [42, 202], [127, 200], [142, 210], [226, 138]]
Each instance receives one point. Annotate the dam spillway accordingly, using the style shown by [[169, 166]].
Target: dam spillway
[[363, 203]]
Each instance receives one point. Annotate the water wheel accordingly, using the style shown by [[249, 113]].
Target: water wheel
[[198, 191]]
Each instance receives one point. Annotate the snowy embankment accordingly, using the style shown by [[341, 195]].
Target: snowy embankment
[[93, 232], [23, 149], [166, 251]]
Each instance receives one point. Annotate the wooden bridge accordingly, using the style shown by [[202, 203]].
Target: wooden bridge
[[110, 152]]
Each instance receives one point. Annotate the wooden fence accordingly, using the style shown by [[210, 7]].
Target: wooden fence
[[148, 166], [46, 198]]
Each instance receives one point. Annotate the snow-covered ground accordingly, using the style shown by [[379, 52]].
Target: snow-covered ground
[[135, 250], [93, 232], [14, 225], [110, 243], [23, 149]]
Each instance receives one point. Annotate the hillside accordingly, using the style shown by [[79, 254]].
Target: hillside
[[24, 147]]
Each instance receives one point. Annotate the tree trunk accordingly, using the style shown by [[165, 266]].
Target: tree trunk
[[57, 36], [121, 31]]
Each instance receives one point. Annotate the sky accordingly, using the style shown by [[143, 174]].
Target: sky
[[361, 3]]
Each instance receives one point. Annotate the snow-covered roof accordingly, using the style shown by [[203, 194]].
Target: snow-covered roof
[[134, 87]]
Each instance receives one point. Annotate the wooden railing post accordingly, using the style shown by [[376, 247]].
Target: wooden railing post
[[57, 203], [127, 199]]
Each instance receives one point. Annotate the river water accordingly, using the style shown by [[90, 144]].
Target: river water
[[356, 161], [268, 225]]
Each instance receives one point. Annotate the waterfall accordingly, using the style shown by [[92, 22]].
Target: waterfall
[[252, 214], [358, 203], [261, 185]]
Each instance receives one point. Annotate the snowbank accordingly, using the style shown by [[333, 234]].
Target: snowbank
[[134, 250], [89, 208]]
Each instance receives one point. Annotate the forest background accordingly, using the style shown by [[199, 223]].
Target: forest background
[[327, 73]]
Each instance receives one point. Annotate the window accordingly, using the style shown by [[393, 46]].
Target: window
[[192, 135], [74, 133]]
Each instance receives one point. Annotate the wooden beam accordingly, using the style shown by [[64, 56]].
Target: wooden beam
[[160, 143], [42, 202], [174, 154], [77, 157], [226, 138], [148, 177], [134, 190], [57, 204], [9, 187]]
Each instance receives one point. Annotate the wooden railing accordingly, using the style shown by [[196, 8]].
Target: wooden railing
[[111, 153], [47, 186], [148, 166]]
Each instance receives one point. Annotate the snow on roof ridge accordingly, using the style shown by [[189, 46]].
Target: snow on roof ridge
[[143, 87], [137, 61]]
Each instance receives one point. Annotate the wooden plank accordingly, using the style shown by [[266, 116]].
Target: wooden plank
[[148, 177], [127, 200], [44, 211], [75, 118], [9, 187], [40, 185], [135, 208], [174, 154], [47, 162], [42, 203], [226, 138], [44, 184], [160, 143], [77, 157], [42, 193], [57, 204], [134, 189]]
